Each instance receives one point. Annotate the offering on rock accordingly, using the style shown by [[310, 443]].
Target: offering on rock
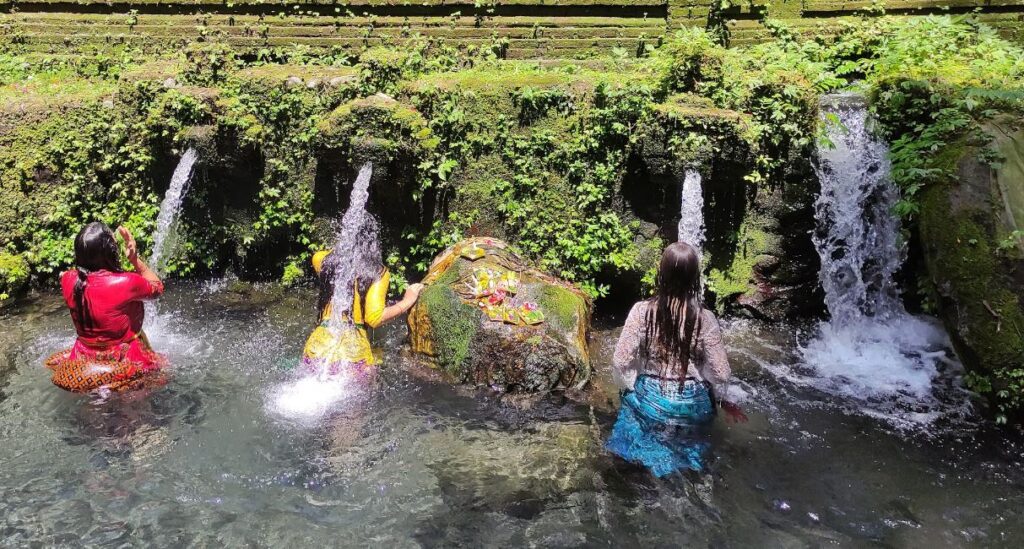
[[498, 321], [473, 252], [491, 283], [530, 315]]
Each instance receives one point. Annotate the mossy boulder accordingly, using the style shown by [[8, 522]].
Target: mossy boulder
[[972, 248], [474, 340]]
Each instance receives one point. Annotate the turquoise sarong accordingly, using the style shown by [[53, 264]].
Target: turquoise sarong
[[664, 425]]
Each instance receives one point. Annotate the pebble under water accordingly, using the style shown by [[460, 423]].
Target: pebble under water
[[211, 458]]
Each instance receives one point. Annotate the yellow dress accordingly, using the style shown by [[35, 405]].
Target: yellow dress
[[352, 345]]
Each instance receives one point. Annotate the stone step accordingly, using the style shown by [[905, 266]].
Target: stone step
[[178, 29], [61, 18]]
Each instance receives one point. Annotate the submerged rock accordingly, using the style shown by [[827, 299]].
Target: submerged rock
[[486, 317]]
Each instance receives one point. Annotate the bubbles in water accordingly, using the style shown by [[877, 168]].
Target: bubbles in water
[[887, 368], [168, 336], [691, 211], [216, 285]]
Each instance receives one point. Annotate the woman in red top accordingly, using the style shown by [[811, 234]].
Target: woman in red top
[[106, 306]]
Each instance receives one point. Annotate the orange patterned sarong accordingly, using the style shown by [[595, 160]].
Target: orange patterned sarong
[[81, 368]]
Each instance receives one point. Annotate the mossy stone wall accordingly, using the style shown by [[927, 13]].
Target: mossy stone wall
[[517, 28], [975, 268]]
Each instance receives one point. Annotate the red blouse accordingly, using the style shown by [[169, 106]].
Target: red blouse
[[115, 306]]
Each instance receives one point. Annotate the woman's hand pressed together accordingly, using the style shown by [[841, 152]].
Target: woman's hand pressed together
[[131, 251]]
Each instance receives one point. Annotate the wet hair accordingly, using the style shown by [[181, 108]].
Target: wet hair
[[95, 250], [365, 269], [674, 319]]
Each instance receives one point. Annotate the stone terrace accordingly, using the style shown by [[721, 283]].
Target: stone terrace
[[524, 29]]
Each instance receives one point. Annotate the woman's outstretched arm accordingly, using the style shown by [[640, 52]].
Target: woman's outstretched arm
[[412, 293], [714, 367]]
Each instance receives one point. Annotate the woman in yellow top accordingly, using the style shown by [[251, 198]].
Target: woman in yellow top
[[341, 341]]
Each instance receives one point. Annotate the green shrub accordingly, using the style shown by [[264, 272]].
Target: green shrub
[[14, 273]]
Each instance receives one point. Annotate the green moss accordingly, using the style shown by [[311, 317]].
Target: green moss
[[452, 323], [388, 124], [503, 78], [738, 278], [560, 306], [965, 267], [280, 73], [53, 91]]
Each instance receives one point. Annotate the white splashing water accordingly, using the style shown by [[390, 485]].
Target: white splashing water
[[308, 399], [165, 236], [871, 352], [691, 211], [347, 242]]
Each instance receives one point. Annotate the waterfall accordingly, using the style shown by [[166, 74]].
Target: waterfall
[[165, 237], [857, 236], [691, 211], [871, 351], [352, 240]]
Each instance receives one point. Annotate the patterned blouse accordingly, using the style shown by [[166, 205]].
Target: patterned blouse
[[708, 361]]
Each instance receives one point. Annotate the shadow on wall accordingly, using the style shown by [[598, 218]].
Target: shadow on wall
[[726, 195], [222, 206]]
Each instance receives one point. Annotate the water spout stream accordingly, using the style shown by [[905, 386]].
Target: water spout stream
[[165, 236], [165, 240], [308, 398], [348, 242], [691, 210]]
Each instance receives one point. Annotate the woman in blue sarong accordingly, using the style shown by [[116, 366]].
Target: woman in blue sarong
[[672, 359]]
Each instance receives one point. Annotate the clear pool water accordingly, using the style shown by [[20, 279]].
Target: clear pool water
[[211, 459]]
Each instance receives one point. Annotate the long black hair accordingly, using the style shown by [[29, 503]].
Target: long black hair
[[673, 320], [95, 250], [361, 266]]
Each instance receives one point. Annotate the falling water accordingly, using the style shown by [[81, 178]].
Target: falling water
[[349, 241], [164, 239], [871, 351], [308, 398], [691, 210]]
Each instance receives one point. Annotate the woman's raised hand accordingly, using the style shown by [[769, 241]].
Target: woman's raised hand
[[130, 248]]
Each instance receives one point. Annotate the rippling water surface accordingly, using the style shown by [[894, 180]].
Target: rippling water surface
[[213, 458]]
